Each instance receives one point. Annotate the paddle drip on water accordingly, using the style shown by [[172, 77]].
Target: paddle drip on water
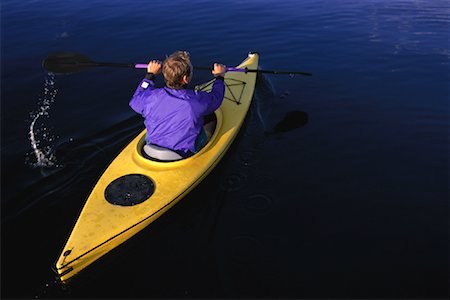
[[39, 135]]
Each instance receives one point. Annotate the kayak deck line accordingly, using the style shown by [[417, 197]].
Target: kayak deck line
[[243, 83], [103, 225], [227, 85]]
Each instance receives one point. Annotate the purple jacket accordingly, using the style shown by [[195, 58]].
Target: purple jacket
[[174, 118]]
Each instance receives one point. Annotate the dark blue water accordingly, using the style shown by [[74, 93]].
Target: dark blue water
[[346, 198]]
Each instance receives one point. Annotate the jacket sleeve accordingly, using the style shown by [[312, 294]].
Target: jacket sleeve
[[214, 98], [144, 89]]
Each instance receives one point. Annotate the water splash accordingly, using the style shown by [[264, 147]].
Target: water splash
[[39, 135]]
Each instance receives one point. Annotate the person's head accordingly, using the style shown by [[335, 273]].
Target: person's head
[[177, 69]]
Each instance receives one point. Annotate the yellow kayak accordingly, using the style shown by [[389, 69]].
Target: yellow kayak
[[110, 217]]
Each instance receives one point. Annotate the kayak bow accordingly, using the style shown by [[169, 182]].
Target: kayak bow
[[134, 191]]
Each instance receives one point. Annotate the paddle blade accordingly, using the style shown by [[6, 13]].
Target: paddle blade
[[66, 62]]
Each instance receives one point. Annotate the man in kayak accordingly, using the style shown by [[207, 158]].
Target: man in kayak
[[173, 114]]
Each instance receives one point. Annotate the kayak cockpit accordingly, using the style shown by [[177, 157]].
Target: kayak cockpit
[[155, 152], [161, 154]]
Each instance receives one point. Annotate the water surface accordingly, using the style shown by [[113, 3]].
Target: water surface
[[353, 202]]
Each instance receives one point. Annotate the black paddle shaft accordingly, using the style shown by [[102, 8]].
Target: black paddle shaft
[[66, 62], [259, 71]]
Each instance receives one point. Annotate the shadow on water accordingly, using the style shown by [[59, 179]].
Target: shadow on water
[[292, 120], [265, 99]]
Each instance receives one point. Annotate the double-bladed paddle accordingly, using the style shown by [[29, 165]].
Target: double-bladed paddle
[[68, 62]]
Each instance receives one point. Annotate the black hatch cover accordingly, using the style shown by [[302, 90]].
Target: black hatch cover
[[129, 190]]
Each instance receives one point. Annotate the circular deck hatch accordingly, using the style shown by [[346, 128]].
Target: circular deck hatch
[[129, 190]]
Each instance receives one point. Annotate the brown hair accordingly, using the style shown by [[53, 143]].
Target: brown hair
[[177, 65]]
